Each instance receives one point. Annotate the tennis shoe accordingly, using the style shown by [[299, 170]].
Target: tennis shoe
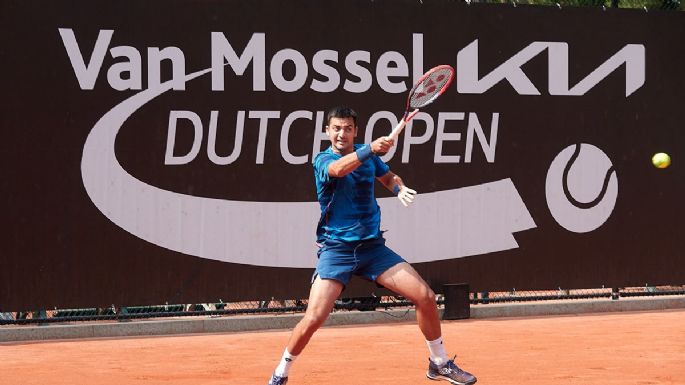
[[276, 380], [449, 371]]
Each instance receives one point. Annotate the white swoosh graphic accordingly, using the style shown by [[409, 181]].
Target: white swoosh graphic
[[440, 225]]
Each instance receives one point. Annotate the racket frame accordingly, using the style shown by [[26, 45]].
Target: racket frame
[[409, 115]]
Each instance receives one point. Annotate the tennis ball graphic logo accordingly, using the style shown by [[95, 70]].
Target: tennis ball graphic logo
[[661, 160], [581, 188]]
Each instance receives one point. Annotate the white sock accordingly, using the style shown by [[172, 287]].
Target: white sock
[[437, 351], [284, 366]]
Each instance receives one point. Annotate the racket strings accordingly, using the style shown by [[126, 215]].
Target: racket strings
[[431, 87]]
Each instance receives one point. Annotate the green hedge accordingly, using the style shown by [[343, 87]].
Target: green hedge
[[646, 4]]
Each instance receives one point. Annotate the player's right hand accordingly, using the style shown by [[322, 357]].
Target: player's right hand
[[382, 145]]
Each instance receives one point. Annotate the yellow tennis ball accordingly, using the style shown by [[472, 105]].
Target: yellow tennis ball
[[661, 160]]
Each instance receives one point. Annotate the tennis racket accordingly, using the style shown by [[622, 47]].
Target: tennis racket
[[431, 85]]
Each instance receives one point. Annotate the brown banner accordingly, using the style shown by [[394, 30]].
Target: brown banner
[[161, 151]]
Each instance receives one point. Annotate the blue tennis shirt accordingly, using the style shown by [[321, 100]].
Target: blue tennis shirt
[[349, 211]]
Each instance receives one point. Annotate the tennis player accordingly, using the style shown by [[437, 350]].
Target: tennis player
[[351, 243]]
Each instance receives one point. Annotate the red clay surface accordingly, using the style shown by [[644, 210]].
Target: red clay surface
[[616, 348]]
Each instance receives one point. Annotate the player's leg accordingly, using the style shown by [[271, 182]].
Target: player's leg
[[322, 296], [321, 299], [405, 281]]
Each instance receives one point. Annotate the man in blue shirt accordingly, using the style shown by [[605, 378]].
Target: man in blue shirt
[[351, 243]]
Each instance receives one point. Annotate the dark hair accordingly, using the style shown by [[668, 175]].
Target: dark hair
[[341, 112]]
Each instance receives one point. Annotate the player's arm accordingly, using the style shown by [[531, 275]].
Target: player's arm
[[351, 161], [394, 183]]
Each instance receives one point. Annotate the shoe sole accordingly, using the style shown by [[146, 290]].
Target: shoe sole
[[443, 378]]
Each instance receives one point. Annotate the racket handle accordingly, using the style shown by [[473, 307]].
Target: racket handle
[[400, 126], [397, 130]]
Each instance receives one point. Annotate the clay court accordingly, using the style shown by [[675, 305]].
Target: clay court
[[608, 348]]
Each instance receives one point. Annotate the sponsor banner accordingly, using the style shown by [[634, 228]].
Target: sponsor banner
[[161, 152]]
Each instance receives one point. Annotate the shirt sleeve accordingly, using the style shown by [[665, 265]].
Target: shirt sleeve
[[381, 167], [321, 163]]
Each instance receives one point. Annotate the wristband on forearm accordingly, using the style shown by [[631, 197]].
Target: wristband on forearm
[[396, 189], [364, 152]]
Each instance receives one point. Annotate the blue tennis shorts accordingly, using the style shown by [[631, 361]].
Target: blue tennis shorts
[[368, 259]]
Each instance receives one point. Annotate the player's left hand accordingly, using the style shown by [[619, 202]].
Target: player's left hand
[[406, 195]]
